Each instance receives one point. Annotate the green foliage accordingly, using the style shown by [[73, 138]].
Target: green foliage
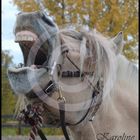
[[107, 16], [8, 99], [9, 132], [26, 131], [6, 59]]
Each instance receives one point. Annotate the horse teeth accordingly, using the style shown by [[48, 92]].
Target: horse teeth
[[27, 38], [31, 38], [24, 38], [18, 38]]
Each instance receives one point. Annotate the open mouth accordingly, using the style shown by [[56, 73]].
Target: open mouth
[[32, 75], [27, 41]]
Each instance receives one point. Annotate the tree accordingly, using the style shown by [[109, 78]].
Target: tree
[[107, 16], [8, 99]]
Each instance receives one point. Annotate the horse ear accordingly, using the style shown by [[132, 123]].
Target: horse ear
[[118, 40]]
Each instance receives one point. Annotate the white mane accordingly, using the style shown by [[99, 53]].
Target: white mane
[[105, 61], [114, 68]]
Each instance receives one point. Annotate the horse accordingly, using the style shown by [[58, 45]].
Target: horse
[[85, 69]]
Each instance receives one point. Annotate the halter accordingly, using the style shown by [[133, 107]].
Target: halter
[[52, 86], [97, 93]]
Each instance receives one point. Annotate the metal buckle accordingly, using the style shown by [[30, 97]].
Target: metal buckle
[[60, 98]]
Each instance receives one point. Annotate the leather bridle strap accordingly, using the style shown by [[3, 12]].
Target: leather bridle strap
[[72, 62], [61, 104], [82, 74], [96, 104], [83, 118], [41, 134], [62, 119]]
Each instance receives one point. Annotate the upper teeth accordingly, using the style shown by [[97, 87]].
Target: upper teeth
[[24, 38]]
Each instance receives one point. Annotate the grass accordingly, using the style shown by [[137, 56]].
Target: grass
[[26, 131]]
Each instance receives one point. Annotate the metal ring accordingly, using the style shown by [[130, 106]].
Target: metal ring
[[61, 99]]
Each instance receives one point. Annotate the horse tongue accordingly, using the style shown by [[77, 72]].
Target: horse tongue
[[33, 66]]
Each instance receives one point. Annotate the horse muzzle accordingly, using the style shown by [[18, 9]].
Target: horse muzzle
[[23, 80]]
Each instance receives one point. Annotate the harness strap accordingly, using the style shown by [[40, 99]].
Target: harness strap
[[72, 62], [40, 133], [83, 118], [83, 75], [62, 119], [66, 74], [36, 130]]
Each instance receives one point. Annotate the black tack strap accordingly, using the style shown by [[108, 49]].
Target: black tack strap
[[72, 62], [40, 133], [71, 74], [62, 119]]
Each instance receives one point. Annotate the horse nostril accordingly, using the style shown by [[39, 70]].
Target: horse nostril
[[20, 65]]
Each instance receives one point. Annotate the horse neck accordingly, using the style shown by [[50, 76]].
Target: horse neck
[[125, 85], [127, 74], [121, 102]]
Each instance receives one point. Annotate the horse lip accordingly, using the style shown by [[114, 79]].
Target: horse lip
[[23, 69], [22, 80], [17, 70]]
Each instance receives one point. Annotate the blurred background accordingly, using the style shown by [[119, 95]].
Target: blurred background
[[108, 17]]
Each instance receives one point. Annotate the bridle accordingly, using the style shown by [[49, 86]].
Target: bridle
[[95, 101], [97, 92]]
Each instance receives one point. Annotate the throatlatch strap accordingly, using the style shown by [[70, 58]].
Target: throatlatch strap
[[62, 119]]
